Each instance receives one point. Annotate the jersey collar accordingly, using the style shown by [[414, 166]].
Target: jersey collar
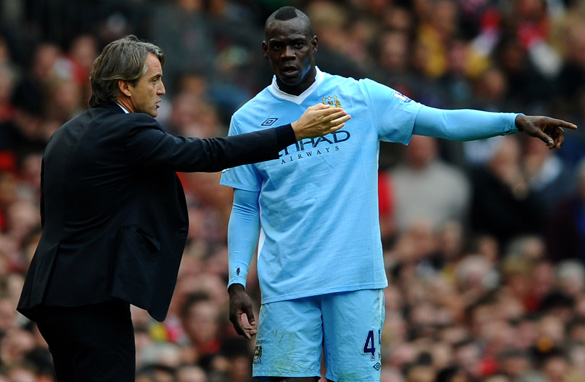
[[275, 90]]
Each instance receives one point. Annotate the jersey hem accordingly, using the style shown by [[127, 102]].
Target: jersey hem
[[341, 289]]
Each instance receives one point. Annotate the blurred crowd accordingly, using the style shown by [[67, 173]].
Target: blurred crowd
[[484, 241]]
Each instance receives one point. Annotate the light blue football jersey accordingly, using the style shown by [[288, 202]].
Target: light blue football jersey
[[319, 200]]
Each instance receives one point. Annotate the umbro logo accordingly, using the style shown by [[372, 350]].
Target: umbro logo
[[269, 122]]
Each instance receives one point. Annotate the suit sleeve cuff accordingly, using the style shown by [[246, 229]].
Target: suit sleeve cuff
[[285, 136]]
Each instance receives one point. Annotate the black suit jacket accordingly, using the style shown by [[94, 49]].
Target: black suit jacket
[[113, 210]]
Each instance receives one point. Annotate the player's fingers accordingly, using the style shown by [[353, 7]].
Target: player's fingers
[[547, 139], [238, 327], [248, 324], [559, 140], [249, 314], [557, 134], [561, 123]]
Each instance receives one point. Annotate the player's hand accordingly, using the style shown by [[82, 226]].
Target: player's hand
[[242, 311], [549, 130], [320, 120]]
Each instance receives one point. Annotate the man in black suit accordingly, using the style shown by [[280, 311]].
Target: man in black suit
[[114, 214]]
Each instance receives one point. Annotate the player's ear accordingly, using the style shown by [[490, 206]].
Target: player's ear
[[265, 49]]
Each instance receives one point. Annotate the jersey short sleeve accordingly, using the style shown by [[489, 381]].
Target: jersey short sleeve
[[394, 113]]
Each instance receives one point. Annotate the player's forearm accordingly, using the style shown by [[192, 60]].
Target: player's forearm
[[463, 124], [243, 230]]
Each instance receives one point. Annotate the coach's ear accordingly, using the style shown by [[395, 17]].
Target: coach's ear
[[125, 88]]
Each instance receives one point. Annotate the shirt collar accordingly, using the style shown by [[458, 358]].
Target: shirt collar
[[123, 108], [275, 90]]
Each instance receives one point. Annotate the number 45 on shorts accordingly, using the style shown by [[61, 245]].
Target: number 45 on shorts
[[371, 346]]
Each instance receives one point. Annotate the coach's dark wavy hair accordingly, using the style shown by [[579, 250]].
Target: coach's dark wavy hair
[[121, 60]]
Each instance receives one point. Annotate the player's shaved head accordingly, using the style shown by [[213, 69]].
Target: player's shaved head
[[288, 13]]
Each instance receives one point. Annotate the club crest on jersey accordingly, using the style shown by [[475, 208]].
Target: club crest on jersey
[[269, 122], [402, 97], [331, 101], [257, 354]]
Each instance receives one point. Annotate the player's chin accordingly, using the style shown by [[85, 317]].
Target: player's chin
[[290, 78]]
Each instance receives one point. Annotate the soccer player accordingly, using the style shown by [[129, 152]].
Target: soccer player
[[313, 212]]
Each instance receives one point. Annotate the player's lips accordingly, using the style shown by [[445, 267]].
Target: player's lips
[[290, 70]]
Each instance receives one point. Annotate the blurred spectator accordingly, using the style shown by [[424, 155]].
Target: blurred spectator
[[8, 195], [452, 374], [234, 363], [163, 354], [513, 363], [398, 16], [393, 58], [419, 372], [548, 177], [566, 231], [22, 218], [428, 189], [23, 372], [182, 114], [7, 82], [16, 343], [65, 99], [489, 93], [155, 373], [386, 208], [555, 366], [181, 29], [571, 79], [191, 373], [423, 87], [458, 75], [200, 318], [23, 131], [82, 52], [436, 30], [209, 206], [330, 21], [502, 202]]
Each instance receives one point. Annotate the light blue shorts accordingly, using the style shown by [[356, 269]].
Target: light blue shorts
[[344, 327]]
